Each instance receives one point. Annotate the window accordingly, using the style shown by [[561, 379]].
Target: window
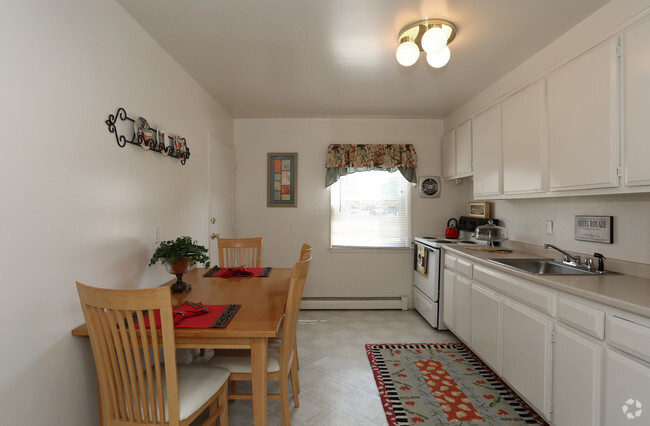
[[371, 209]]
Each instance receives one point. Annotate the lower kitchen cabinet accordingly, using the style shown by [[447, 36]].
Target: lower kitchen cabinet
[[461, 307], [577, 384], [526, 354], [485, 325], [448, 299], [627, 391]]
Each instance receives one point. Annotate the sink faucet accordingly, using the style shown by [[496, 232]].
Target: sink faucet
[[568, 258]]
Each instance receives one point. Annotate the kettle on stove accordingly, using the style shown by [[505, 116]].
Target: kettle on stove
[[452, 229]]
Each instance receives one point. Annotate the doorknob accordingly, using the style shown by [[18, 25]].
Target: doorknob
[[213, 220], [214, 236]]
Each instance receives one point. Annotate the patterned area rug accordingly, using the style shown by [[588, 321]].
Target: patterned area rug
[[441, 383]]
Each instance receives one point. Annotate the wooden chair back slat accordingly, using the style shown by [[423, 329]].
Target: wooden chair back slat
[[129, 367], [296, 288], [305, 251], [235, 252]]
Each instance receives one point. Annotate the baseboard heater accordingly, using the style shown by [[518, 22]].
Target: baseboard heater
[[396, 302]]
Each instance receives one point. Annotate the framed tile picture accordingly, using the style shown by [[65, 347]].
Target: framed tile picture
[[282, 178]]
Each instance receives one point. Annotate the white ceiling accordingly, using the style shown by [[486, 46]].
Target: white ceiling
[[336, 58]]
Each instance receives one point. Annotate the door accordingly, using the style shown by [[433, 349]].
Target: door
[[526, 355], [428, 283], [222, 194], [464, 149], [577, 379], [485, 326], [449, 154], [627, 386], [462, 288], [448, 299], [486, 157]]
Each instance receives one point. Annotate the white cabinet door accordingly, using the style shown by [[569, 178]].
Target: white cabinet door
[[627, 384], [486, 153], [461, 307], [485, 326], [449, 154], [583, 121], [524, 140], [636, 108], [577, 379], [464, 149], [526, 355], [448, 299]]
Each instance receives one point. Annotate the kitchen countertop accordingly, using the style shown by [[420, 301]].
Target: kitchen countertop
[[626, 292]]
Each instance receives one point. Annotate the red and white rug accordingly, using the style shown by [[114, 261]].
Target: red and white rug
[[441, 383]]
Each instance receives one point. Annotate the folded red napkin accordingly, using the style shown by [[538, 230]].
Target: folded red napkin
[[241, 271], [235, 272], [188, 310]]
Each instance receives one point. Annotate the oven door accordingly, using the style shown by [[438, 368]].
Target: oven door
[[428, 283]]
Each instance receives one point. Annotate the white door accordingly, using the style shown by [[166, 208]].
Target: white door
[[448, 299], [526, 355], [462, 288], [577, 379], [449, 154], [485, 326], [627, 391], [486, 153], [222, 194], [464, 149]]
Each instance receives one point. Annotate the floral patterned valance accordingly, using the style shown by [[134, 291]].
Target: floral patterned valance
[[350, 158], [373, 156]]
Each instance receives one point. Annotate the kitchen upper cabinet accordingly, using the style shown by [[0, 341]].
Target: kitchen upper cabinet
[[577, 379], [464, 149], [449, 154], [527, 354], [486, 153], [457, 151], [583, 129], [523, 142], [636, 108], [485, 325]]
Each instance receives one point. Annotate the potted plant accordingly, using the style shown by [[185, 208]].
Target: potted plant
[[179, 256]]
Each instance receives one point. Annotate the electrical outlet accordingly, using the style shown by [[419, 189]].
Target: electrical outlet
[[549, 227], [156, 234]]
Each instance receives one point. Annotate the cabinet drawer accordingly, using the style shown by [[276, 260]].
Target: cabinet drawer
[[463, 267], [450, 262], [629, 336], [583, 317], [516, 288]]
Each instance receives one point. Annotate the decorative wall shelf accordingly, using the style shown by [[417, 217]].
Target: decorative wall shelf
[[149, 138]]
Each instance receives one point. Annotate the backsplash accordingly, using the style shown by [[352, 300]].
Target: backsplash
[[525, 221]]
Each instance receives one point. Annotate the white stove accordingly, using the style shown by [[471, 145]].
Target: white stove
[[428, 266]]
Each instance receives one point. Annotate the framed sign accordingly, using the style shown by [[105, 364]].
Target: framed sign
[[479, 209], [281, 180], [597, 229]]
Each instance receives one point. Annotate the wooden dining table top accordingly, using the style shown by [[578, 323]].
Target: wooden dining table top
[[262, 300]]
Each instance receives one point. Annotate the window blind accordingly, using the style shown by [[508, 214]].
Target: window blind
[[371, 209]]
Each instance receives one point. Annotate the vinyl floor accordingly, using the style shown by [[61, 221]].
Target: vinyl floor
[[337, 385]]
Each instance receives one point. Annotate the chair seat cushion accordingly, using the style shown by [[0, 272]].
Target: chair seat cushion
[[239, 360], [196, 384]]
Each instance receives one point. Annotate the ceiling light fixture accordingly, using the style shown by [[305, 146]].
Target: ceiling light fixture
[[426, 35]]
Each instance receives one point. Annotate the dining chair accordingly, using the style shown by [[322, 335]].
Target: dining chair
[[281, 352], [136, 384], [235, 252], [304, 251]]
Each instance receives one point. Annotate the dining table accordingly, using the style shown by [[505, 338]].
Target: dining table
[[262, 301]]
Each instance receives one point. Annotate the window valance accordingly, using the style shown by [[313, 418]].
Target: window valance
[[343, 159]]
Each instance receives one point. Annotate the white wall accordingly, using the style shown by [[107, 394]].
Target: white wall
[[75, 206], [355, 273], [526, 219]]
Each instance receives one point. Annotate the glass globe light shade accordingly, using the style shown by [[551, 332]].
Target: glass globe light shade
[[439, 59], [434, 40], [407, 53]]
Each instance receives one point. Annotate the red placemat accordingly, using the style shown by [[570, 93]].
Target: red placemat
[[217, 316], [240, 271]]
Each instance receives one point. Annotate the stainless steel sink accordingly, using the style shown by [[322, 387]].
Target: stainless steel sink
[[542, 267]]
